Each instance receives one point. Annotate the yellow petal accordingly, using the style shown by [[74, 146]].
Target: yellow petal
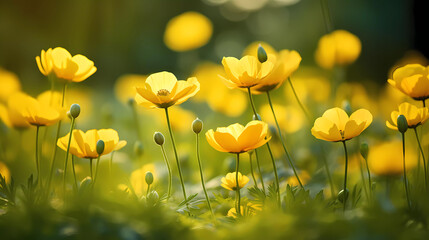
[[211, 140], [227, 142], [337, 116], [161, 80]]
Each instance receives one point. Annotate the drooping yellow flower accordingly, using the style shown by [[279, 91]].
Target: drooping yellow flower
[[335, 125], [290, 118], [386, 159], [125, 86], [37, 112], [189, 30], [4, 171], [415, 116], [413, 80], [237, 139], [83, 144], [70, 68], [9, 113], [215, 93], [246, 72], [339, 47], [163, 90], [229, 181], [137, 178], [9, 84]]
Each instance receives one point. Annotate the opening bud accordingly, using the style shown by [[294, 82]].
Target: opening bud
[[402, 123], [100, 147], [74, 110], [197, 126], [262, 54], [158, 138]]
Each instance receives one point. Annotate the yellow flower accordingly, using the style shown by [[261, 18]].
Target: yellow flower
[[4, 171], [335, 125], [125, 86], [215, 93], [9, 113], [36, 112], [237, 139], [415, 116], [337, 48], [290, 118], [83, 144], [250, 210], [229, 181], [163, 90], [188, 31], [137, 178], [413, 80], [9, 84], [386, 159], [75, 68], [246, 72]]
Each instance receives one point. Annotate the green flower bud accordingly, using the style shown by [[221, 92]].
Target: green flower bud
[[152, 198], [257, 117], [69, 115], [262, 54], [197, 126], [149, 178], [402, 123], [347, 108], [341, 196], [158, 138], [364, 150], [100, 147], [75, 110], [138, 148]]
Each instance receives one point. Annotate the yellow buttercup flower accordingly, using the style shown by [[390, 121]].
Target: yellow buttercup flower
[[237, 139], [339, 47], [335, 125], [250, 210], [83, 144], [137, 178], [413, 80], [125, 86], [9, 113], [36, 112], [9, 84], [246, 72], [188, 31], [163, 90], [70, 68], [415, 116], [386, 159], [229, 181]]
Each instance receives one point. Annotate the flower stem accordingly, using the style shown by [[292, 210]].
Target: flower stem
[[275, 174], [369, 177], [363, 180], [202, 178], [37, 154], [251, 169], [175, 154], [307, 115], [67, 153], [259, 170], [405, 171], [90, 169], [326, 15], [282, 140], [237, 187], [96, 170], [74, 173], [423, 157], [345, 194], [170, 176]]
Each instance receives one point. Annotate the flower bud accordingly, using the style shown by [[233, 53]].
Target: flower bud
[[100, 147], [159, 138], [149, 178], [347, 108], [138, 148], [152, 198], [364, 150], [257, 117], [262, 54], [343, 196], [74, 110], [69, 115], [402, 124], [197, 125]]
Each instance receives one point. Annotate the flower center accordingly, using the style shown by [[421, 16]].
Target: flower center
[[163, 92], [342, 134]]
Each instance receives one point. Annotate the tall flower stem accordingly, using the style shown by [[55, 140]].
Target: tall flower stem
[[307, 115], [175, 153], [423, 157], [67, 153], [202, 178], [251, 169], [345, 193], [259, 170], [363, 180], [90, 169], [74, 173], [405, 171], [37, 154], [170, 176], [96, 170], [326, 15], [369, 177], [237, 187], [282, 140]]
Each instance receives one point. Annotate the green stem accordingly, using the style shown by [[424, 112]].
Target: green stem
[[37, 154], [259, 170], [363, 180], [148, 190], [251, 169], [67, 153], [405, 171], [277, 177], [282, 140], [202, 178], [170, 176], [96, 170], [369, 177], [307, 115], [74, 173], [326, 15], [252, 103], [237, 187], [175, 154], [90, 168], [345, 194], [423, 157]]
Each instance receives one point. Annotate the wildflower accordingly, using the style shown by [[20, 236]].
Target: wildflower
[[84, 144], [70, 68], [137, 178], [37, 112], [250, 210], [9, 84], [229, 181], [335, 125], [412, 80], [337, 48], [9, 113], [237, 139], [415, 116], [163, 90], [189, 30]]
